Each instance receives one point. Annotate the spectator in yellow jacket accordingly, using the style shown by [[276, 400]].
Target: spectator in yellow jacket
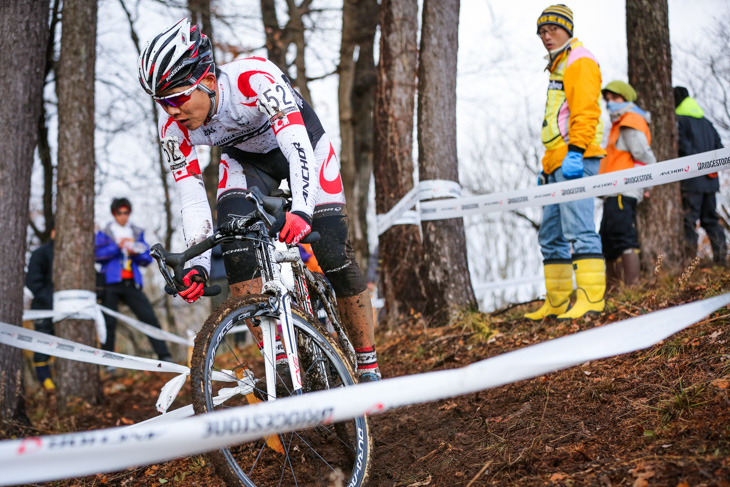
[[571, 133]]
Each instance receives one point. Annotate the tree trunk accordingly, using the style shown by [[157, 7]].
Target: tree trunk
[[295, 32], [276, 39], [356, 99], [21, 83], [73, 266], [445, 269], [659, 217], [400, 247]]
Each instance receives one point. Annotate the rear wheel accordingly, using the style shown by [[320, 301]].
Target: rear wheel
[[335, 454]]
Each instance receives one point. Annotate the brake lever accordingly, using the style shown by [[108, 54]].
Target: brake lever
[[156, 251], [268, 219]]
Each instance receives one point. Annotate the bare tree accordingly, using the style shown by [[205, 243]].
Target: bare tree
[[356, 99], [44, 148], [73, 268], [445, 270], [21, 82], [278, 39], [650, 72], [401, 249]]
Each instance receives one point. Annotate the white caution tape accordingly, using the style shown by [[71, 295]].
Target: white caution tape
[[78, 454], [149, 330], [424, 191], [82, 305], [79, 304], [35, 341], [604, 184], [507, 283]]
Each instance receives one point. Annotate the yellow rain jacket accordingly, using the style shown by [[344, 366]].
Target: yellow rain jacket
[[572, 112]]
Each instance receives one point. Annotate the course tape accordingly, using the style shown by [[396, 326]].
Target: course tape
[[601, 185], [78, 454], [35, 341], [82, 305]]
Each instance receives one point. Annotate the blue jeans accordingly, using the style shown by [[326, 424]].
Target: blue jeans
[[570, 223]]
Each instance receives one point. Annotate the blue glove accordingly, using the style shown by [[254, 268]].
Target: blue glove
[[542, 178], [573, 165]]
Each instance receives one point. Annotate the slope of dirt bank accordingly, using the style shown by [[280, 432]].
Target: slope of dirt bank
[[656, 417]]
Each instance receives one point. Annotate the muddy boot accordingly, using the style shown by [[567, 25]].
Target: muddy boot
[[559, 285], [590, 278], [357, 317], [631, 266], [613, 274]]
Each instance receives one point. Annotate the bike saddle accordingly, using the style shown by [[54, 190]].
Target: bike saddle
[[274, 205]]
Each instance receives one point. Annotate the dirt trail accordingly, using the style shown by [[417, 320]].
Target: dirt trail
[[657, 417]]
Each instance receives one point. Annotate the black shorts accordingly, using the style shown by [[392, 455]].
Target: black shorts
[[618, 227], [333, 250]]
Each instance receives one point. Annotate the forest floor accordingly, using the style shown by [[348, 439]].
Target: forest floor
[[660, 416]]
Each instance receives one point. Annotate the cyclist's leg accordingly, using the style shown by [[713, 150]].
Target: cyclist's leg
[[337, 259], [238, 173]]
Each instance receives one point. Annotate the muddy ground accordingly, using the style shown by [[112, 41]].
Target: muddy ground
[[656, 417]]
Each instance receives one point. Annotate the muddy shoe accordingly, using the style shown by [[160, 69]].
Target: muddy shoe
[[368, 377], [284, 386]]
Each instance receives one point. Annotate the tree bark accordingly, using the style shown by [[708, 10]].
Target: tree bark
[[445, 269], [21, 83], [276, 39], [356, 95], [400, 247], [659, 217], [73, 266]]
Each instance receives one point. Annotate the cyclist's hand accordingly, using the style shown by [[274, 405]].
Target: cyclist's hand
[[194, 280], [295, 227]]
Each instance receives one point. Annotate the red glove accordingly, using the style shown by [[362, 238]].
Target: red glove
[[296, 227], [195, 280]]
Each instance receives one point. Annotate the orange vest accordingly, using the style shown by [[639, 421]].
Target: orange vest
[[617, 160]]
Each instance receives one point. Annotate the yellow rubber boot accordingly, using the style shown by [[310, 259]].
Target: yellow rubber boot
[[559, 285], [590, 278]]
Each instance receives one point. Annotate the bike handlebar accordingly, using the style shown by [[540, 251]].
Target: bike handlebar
[[268, 209]]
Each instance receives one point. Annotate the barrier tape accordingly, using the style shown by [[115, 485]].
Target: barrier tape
[[81, 304], [664, 172], [84, 453], [36, 341]]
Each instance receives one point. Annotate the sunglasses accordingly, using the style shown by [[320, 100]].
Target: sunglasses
[[179, 99], [123, 212]]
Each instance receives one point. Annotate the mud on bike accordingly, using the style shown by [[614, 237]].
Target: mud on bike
[[225, 373]]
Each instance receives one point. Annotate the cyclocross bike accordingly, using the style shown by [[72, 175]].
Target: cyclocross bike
[[225, 373]]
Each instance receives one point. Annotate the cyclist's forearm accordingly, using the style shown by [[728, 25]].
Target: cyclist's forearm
[[196, 217]]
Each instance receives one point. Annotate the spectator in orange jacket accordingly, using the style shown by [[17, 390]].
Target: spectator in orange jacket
[[628, 146]]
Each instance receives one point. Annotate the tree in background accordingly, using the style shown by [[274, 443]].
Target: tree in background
[[73, 266], [444, 270], [401, 249], [356, 99], [659, 217], [278, 40], [21, 82], [44, 148]]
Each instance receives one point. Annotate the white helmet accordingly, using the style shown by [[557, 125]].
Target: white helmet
[[179, 56]]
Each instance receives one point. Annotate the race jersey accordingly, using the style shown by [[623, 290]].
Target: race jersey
[[258, 112]]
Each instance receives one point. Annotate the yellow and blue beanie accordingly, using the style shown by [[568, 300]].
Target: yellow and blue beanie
[[559, 15]]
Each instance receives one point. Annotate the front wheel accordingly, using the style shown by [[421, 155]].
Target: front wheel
[[335, 454]]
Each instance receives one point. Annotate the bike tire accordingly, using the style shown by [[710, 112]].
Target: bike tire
[[335, 454]]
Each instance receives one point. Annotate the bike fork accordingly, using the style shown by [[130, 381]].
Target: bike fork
[[287, 334]]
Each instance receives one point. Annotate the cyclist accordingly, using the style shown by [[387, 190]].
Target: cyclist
[[268, 133]]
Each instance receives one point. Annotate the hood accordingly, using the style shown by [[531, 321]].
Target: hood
[[690, 108]]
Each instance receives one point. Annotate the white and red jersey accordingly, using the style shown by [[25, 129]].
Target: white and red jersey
[[258, 112]]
